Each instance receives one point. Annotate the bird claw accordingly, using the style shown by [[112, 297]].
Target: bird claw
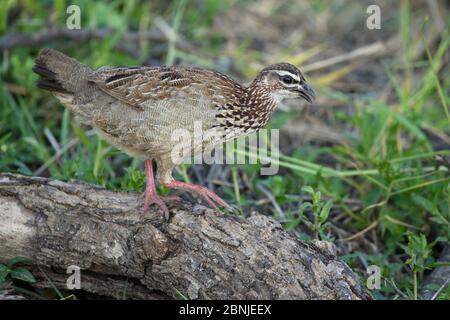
[[161, 203], [151, 197], [212, 199]]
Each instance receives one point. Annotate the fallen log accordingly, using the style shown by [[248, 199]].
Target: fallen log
[[198, 254]]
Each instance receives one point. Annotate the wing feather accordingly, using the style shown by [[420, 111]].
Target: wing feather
[[137, 86]]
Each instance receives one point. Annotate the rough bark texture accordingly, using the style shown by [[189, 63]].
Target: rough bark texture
[[199, 253], [439, 278]]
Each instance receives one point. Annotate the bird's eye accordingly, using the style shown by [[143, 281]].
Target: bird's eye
[[287, 79]]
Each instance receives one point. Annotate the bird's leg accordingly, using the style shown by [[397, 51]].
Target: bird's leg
[[210, 197], [150, 192]]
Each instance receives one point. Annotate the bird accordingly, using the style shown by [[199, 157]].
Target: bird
[[137, 109]]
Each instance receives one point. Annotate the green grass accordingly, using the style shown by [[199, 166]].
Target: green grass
[[390, 203]]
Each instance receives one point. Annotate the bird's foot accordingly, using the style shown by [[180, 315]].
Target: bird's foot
[[160, 202], [208, 196], [150, 192]]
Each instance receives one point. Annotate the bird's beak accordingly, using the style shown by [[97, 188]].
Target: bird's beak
[[306, 92]]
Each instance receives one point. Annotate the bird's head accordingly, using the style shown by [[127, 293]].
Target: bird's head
[[284, 81]]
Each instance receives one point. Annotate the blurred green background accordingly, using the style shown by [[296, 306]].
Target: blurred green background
[[366, 166]]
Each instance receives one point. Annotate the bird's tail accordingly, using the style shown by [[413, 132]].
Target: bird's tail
[[60, 73]]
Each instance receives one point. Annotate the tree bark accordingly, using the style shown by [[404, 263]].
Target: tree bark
[[198, 254], [438, 279]]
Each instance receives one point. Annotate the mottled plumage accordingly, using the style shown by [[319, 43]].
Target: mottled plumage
[[139, 108]]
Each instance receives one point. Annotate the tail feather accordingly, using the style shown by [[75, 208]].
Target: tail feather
[[49, 81], [60, 73], [52, 85]]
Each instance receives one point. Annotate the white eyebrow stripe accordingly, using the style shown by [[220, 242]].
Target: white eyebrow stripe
[[284, 73]]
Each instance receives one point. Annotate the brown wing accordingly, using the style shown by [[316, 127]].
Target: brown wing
[[137, 85]]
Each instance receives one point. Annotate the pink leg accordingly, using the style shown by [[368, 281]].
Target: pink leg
[[210, 197], [150, 192]]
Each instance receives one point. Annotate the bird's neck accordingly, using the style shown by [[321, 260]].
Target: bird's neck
[[251, 112], [259, 104]]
